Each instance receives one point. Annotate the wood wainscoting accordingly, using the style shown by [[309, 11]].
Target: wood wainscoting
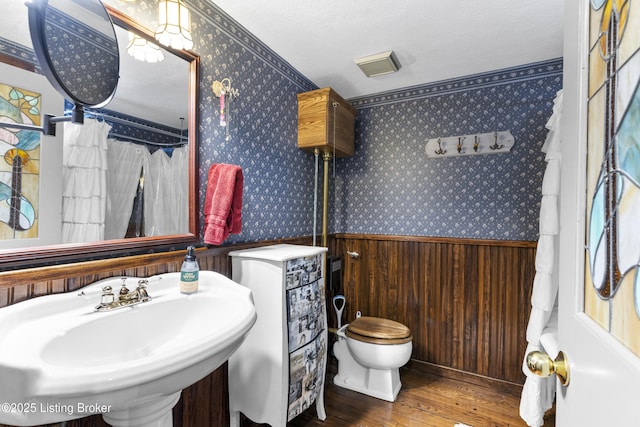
[[467, 302]]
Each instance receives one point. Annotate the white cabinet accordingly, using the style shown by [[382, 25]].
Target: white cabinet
[[279, 370]]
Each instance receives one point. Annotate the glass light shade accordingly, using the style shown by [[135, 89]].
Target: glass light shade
[[143, 50], [174, 25]]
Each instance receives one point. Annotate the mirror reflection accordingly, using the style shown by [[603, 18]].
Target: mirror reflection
[[76, 48], [122, 180]]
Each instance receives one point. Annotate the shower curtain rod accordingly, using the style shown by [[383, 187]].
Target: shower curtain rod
[[114, 119], [126, 138]]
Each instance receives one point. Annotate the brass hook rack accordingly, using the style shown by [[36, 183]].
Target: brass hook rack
[[465, 145]]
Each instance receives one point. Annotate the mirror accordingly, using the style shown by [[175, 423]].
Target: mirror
[[77, 49], [34, 255]]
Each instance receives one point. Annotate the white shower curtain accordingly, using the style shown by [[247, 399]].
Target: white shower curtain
[[125, 162], [165, 189], [166, 193], [84, 181], [180, 177], [538, 393]]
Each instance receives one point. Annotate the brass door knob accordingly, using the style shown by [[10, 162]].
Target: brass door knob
[[542, 365]]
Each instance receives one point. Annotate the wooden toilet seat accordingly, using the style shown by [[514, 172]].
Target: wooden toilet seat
[[376, 330]]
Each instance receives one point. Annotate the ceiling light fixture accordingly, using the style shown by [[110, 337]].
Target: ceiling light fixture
[[174, 25], [378, 64], [143, 50]]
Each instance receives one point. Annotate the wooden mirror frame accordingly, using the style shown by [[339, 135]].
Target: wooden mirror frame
[[20, 258]]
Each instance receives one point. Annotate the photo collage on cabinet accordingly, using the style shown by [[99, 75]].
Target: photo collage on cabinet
[[306, 322]]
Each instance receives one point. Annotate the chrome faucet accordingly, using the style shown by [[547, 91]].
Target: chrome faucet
[[125, 297]]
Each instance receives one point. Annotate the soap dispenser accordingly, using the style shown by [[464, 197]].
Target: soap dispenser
[[189, 272]]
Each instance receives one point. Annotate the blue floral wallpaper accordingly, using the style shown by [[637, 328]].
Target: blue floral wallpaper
[[389, 186]]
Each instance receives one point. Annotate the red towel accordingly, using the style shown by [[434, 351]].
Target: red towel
[[223, 203]]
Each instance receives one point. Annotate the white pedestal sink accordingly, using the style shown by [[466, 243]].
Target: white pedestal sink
[[60, 359]]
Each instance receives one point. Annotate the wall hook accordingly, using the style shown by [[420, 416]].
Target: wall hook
[[475, 144], [440, 151], [495, 145], [459, 146]]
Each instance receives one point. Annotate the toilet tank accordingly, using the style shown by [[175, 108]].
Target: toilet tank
[[326, 122]]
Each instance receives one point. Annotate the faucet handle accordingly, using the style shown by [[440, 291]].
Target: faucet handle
[[142, 290], [123, 289], [107, 295]]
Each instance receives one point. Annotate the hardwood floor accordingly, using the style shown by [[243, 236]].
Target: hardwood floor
[[427, 399]]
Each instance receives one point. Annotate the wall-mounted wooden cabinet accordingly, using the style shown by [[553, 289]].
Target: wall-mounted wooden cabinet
[[327, 122]]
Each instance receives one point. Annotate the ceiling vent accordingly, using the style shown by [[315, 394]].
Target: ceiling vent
[[378, 64]]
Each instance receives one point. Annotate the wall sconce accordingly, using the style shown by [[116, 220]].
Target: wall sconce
[[143, 50], [174, 25], [223, 90]]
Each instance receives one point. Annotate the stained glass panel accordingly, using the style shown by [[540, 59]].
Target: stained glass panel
[[20, 163], [612, 273]]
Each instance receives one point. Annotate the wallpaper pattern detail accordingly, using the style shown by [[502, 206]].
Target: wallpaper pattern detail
[[388, 186], [535, 71], [18, 51]]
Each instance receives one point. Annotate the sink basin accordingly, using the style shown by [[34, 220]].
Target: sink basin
[[60, 359]]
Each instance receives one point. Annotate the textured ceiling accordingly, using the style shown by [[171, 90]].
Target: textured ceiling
[[433, 40]]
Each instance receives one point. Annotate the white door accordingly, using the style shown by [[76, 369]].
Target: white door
[[604, 388]]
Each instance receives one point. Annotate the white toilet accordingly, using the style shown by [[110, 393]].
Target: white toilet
[[370, 351]]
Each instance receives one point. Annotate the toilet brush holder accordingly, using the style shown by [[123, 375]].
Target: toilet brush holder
[[339, 300]]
